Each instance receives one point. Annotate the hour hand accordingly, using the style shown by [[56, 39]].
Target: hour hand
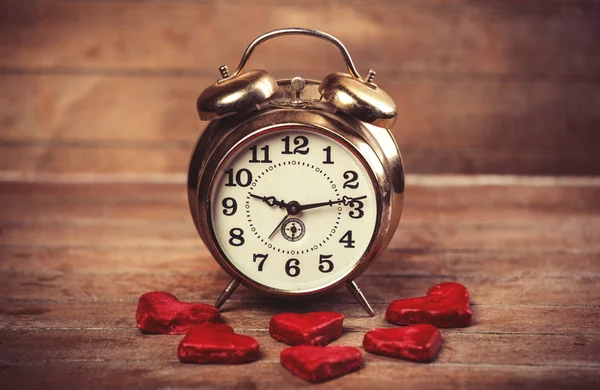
[[270, 200]]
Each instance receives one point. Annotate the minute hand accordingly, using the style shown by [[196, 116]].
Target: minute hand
[[346, 200]]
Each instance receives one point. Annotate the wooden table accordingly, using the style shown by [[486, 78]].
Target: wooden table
[[97, 120], [77, 251]]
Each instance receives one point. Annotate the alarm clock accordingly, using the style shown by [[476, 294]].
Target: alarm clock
[[295, 186]]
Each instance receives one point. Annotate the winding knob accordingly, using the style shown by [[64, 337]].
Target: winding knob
[[298, 84]]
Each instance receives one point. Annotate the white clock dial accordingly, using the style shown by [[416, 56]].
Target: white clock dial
[[293, 210]]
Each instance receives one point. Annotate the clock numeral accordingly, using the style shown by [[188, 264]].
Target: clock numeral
[[357, 209], [327, 151], [292, 267], [325, 265], [347, 239], [351, 180], [254, 149], [262, 258], [242, 178], [230, 206], [301, 143], [236, 237]]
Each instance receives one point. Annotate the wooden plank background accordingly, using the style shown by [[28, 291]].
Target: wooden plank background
[[482, 86]]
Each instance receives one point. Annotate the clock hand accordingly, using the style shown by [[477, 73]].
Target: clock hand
[[270, 200], [345, 200], [294, 208], [278, 226]]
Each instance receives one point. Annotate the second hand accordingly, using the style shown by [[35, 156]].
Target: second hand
[[278, 226]]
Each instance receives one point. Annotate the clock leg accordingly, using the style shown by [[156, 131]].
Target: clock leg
[[233, 284], [358, 295]]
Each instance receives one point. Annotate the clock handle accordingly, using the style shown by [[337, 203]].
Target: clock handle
[[295, 31], [233, 284], [358, 295], [348, 93]]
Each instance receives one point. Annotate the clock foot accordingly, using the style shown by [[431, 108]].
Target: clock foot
[[358, 295], [233, 284]]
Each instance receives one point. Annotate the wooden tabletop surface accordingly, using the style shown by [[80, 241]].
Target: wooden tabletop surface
[[76, 253]]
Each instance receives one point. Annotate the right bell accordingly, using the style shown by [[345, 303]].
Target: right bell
[[362, 99]]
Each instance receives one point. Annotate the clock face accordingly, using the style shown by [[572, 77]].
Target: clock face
[[293, 210]]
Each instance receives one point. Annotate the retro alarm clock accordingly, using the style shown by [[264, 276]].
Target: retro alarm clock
[[295, 186]]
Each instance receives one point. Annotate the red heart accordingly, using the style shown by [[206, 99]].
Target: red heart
[[416, 342], [318, 328], [445, 306], [318, 364], [217, 343], [161, 312]]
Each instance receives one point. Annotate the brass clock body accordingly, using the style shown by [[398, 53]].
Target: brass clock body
[[253, 115]]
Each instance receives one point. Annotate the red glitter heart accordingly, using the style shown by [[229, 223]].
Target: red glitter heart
[[318, 364], [318, 328], [416, 342], [161, 312], [445, 306], [217, 344]]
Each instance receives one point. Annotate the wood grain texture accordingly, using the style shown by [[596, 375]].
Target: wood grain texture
[[127, 374], [92, 259], [435, 237], [207, 286], [75, 258], [535, 38], [482, 87], [32, 157], [498, 222], [120, 202], [460, 348], [492, 319], [97, 119], [74, 123]]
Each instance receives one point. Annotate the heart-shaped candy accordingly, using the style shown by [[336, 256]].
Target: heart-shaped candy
[[445, 306], [217, 344], [318, 328], [416, 342], [318, 364], [161, 312]]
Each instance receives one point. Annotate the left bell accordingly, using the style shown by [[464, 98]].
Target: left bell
[[236, 94]]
